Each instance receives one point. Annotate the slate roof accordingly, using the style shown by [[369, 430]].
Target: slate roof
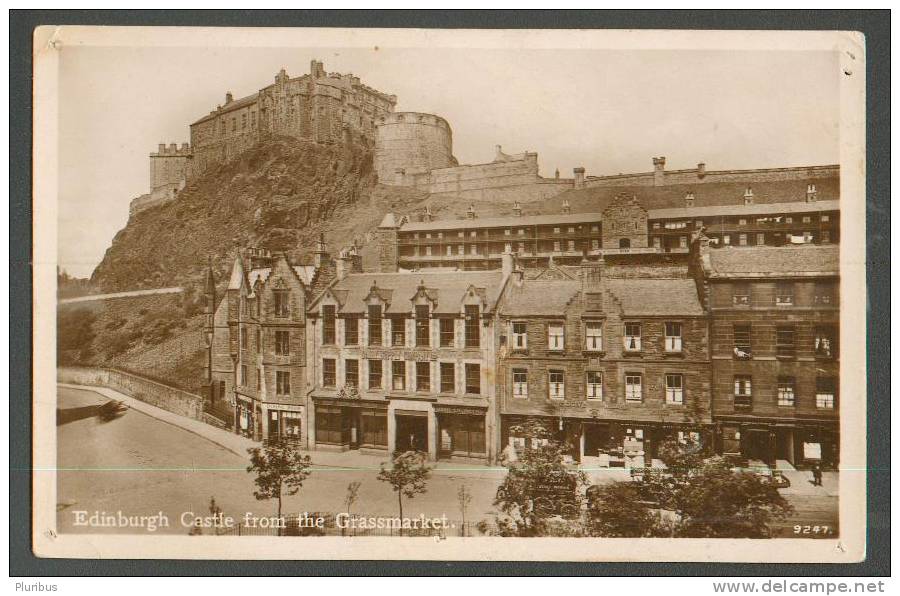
[[774, 261], [496, 222], [632, 297], [753, 209], [447, 288], [238, 103]]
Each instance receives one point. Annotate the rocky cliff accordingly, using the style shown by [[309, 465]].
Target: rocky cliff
[[279, 195]]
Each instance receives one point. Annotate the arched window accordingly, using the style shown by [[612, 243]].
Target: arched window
[[624, 243]]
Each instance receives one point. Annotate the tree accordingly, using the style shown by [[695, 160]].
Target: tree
[[407, 475], [537, 488], [280, 470], [464, 497], [711, 499], [352, 496], [617, 510]]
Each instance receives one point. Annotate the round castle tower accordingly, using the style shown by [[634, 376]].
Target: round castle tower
[[410, 144]]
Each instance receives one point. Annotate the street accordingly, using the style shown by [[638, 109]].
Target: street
[[142, 466]]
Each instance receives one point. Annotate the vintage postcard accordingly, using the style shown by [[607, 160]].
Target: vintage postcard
[[484, 295]]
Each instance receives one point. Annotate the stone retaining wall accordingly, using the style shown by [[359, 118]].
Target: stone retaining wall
[[156, 394]]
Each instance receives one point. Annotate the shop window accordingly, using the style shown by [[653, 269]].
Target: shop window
[[825, 391], [784, 342], [351, 372], [473, 326], [423, 326], [557, 384], [784, 294], [743, 392], [374, 428], [374, 374], [520, 383], [740, 294], [351, 331], [824, 342], [328, 324], [448, 377], [674, 389], [423, 376], [398, 331], [742, 347], [447, 332], [398, 375], [632, 338], [786, 391], [329, 429], [556, 336], [594, 384], [593, 336], [633, 387], [329, 372], [282, 342], [283, 382], [519, 335], [281, 301], [673, 337]]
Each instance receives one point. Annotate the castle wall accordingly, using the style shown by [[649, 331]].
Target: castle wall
[[702, 176], [408, 145]]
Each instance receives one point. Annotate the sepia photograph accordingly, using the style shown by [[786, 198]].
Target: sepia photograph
[[454, 295]]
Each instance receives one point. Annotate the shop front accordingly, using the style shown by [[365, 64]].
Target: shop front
[[461, 432], [799, 445], [246, 418], [342, 426], [284, 423]]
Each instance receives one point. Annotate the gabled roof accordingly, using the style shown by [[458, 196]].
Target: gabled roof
[[399, 289], [807, 260], [539, 298]]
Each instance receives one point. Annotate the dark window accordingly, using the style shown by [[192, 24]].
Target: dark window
[[351, 331], [473, 327], [743, 392], [398, 332], [351, 372], [740, 294], [329, 426], [448, 377], [447, 332], [784, 342], [328, 324], [423, 326], [624, 243], [281, 299], [784, 294], [824, 294], [742, 348], [825, 393], [283, 382], [473, 379], [398, 375], [329, 372], [282, 342], [374, 428], [423, 376], [374, 374], [786, 391], [824, 342], [375, 325]]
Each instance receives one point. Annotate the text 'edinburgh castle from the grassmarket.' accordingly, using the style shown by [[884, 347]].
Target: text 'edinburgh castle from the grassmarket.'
[[688, 305]]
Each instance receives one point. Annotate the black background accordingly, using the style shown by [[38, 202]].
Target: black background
[[874, 24]]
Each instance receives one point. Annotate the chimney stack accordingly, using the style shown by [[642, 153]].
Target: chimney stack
[[517, 209], [659, 170], [689, 199], [228, 98], [701, 170], [811, 193], [579, 177], [321, 254], [566, 208], [748, 196], [470, 212]]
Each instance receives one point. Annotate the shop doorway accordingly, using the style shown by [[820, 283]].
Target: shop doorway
[[784, 445], [412, 432], [757, 445]]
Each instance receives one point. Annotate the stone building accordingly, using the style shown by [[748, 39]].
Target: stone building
[[405, 361], [774, 316], [318, 106], [168, 169], [409, 145], [257, 343]]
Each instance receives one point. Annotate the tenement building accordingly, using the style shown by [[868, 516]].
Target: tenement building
[[774, 346], [401, 361], [257, 343]]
